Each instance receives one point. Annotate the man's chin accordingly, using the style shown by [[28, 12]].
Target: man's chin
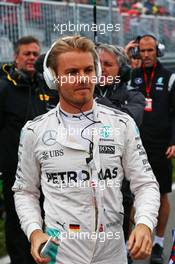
[[148, 64], [84, 100], [30, 71]]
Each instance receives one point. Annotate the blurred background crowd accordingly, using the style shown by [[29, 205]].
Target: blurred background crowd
[[40, 18]]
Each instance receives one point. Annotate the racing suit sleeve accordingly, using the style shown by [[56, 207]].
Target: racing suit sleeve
[[27, 183], [134, 105], [143, 183]]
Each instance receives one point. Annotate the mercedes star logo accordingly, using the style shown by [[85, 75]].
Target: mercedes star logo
[[49, 137]]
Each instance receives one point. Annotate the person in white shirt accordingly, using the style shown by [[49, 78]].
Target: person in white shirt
[[69, 152]]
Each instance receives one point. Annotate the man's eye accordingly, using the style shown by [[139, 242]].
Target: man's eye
[[107, 64], [35, 54], [89, 70], [72, 72]]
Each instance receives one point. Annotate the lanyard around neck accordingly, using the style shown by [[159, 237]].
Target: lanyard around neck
[[149, 83]]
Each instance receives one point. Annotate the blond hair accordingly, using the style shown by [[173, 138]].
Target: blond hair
[[71, 43]]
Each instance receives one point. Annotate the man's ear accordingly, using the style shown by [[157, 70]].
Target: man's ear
[[15, 57]]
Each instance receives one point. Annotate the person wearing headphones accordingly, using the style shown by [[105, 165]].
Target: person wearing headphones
[[23, 96], [158, 127], [113, 84], [134, 61], [116, 92], [79, 153]]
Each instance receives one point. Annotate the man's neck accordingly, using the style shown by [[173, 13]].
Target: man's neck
[[75, 109], [149, 67], [25, 73]]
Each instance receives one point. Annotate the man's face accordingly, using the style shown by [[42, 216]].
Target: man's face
[[135, 63], [148, 51], [109, 65], [75, 74], [26, 57]]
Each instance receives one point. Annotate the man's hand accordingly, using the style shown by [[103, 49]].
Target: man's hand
[[37, 238], [140, 242], [170, 153], [131, 44]]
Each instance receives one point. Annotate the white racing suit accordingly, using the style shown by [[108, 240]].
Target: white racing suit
[[89, 218]]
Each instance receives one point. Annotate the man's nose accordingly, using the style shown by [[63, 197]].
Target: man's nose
[[146, 53], [32, 56], [82, 77]]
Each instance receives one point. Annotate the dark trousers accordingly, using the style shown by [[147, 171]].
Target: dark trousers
[[17, 243], [128, 200]]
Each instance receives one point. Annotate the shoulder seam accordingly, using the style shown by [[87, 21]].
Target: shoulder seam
[[39, 119], [115, 112]]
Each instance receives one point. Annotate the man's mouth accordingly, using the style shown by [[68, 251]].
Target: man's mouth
[[30, 64], [82, 88], [147, 61]]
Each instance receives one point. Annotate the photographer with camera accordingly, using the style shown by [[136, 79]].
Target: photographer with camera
[[158, 127]]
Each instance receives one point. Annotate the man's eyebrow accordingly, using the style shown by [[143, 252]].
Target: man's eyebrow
[[107, 61], [73, 68], [147, 49]]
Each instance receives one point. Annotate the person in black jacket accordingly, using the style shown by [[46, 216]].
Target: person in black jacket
[[23, 96], [113, 86], [113, 90], [158, 127]]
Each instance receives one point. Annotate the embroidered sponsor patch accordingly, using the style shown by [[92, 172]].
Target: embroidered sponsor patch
[[44, 97], [111, 224], [52, 154], [106, 149], [49, 137], [138, 81], [74, 228], [101, 228], [105, 131], [160, 81], [159, 88]]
